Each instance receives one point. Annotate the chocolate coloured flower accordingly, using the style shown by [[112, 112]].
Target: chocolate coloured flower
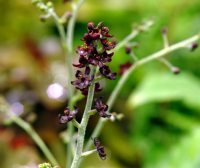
[[84, 80], [106, 72], [101, 108], [68, 115], [100, 149]]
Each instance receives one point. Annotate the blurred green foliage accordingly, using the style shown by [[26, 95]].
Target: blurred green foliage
[[161, 124]]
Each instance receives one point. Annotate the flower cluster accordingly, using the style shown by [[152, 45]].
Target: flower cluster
[[94, 52], [68, 115]]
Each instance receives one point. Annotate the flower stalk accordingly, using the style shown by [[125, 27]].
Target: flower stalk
[[83, 125]]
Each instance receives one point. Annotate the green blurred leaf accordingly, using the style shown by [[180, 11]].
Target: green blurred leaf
[[164, 87], [184, 154]]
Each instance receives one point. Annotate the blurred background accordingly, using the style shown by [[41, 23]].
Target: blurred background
[[161, 127]]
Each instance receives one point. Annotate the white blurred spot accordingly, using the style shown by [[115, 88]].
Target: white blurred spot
[[50, 46], [17, 108], [55, 91]]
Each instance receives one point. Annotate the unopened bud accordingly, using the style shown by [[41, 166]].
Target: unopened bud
[[90, 26], [68, 15], [193, 46], [43, 18], [128, 50], [164, 30], [49, 4], [176, 70]]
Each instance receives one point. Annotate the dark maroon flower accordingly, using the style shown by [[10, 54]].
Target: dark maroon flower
[[100, 149], [90, 26], [96, 89], [101, 108], [108, 45], [68, 115], [128, 50], [100, 59], [84, 80], [164, 30], [106, 72], [124, 67], [194, 46]]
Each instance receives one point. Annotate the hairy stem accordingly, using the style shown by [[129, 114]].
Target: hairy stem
[[83, 125], [69, 55], [128, 73]]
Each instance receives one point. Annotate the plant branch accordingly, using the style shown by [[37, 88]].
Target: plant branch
[[88, 153], [128, 73], [11, 118], [83, 125], [69, 43], [71, 25], [76, 124], [134, 33], [32, 133]]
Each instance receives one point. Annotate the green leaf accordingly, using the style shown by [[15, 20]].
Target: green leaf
[[185, 154], [165, 87]]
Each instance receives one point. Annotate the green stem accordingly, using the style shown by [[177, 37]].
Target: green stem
[[60, 28], [77, 97], [70, 36], [71, 25], [88, 153], [70, 131], [133, 34], [128, 73], [32, 133], [83, 125], [69, 55]]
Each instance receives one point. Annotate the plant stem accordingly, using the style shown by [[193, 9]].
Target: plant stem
[[133, 34], [71, 25], [82, 129], [32, 133], [69, 45], [88, 153], [70, 131], [128, 73], [60, 28]]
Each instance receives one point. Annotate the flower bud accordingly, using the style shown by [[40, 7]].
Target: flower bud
[[128, 50], [176, 70], [193, 46], [49, 4], [164, 30], [90, 26]]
